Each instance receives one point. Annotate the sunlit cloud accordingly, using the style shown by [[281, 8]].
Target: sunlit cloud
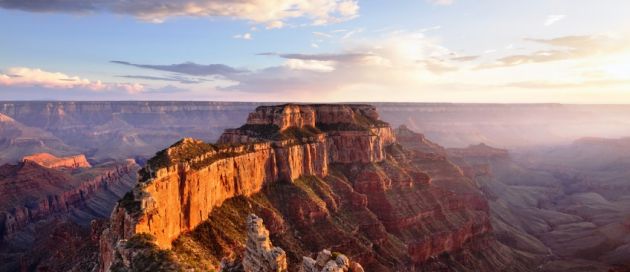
[[33, 77], [271, 13], [465, 58], [565, 48], [312, 65], [274, 24]]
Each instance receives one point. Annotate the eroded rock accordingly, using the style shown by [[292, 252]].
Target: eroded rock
[[260, 255]]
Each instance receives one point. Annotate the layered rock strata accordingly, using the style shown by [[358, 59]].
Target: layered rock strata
[[181, 185], [344, 184], [38, 193]]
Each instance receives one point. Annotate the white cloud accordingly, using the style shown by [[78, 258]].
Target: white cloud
[[554, 18], [321, 34], [310, 65], [29, 77], [351, 33], [246, 36], [441, 2]]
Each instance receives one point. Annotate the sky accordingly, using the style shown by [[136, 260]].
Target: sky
[[473, 51]]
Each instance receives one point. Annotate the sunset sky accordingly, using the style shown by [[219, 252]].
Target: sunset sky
[[568, 51]]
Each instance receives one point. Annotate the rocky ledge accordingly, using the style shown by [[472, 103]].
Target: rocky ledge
[[51, 161]]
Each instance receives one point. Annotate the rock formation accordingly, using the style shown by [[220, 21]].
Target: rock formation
[[323, 176], [260, 255], [329, 262], [50, 161], [183, 183]]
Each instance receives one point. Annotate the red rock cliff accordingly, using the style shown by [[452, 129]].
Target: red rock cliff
[[391, 208], [51, 161], [184, 183]]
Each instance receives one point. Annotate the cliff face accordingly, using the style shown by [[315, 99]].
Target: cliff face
[[321, 176], [186, 181]]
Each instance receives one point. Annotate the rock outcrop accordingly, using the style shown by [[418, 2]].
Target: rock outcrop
[[182, 184], [51, 161], [323, 176], [260, 254], [329, 262]]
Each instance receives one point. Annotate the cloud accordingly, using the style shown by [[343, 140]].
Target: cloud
[[564, 48], [568, 85], [552, 19], [246, 36], [274, 24], [188, 68], [400, 61], [312, 65], [465, 58], [351, 33], [166, 90], [271, 13], [441, 2], [438, 67], [322, 34], [173, 78], [337, 57], [32, 77]]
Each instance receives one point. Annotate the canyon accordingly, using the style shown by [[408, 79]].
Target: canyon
[[119, 130], [567, 203], [323, 176], [45, 198], [483, 188]]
